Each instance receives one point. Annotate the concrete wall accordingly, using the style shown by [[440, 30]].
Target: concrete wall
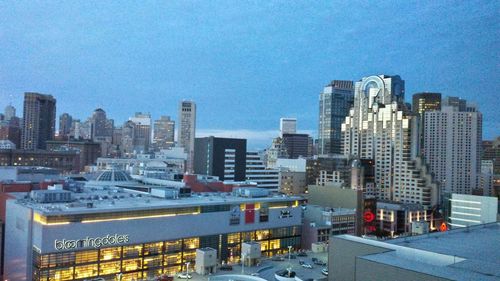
[[370, 270], [18, 251], [342, 255], [334, 197]]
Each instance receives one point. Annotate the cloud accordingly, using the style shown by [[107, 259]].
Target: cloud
[[257, 139]]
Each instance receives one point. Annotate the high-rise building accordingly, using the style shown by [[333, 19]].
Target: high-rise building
[[101, 126], [65, 122], [297, 145], [187, 130], [9, 112], [142, 131], [257, 172], [452, 146], [164, 132], [423, 102], [381, 128], [334, 104], [288, 126], [39, 116], [221, 157]]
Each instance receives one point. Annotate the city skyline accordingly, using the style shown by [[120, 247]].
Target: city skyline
[[78, 55]]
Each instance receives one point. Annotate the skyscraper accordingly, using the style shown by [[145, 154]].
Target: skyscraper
[[10, 112], [288, 126], [380, 127], [334, 104], [164, 131], [142, 131], [296, 145], [452, 145], [187, 130], [39, 115], [65, 122], [423, 102]]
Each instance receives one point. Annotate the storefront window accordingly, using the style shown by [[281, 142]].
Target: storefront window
[[132, 264], [191, 243], [85, 271], [111, 253], [153, 248], [152, 261], [61, 274], [173, 246], [173, 259], [86, 256], [109, 267], [132, 251]]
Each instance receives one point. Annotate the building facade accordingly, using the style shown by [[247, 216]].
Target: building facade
[[221, 157], [288, 126], [257, 172], [97, 239], [187, 131], [334, 104], [296, 145], [65, 121], [164, 133], [39, 120], [381, 128], [142, 131], [468, 210], [64, 161], [452, 147]]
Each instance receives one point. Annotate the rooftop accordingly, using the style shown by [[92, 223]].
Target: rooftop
[[462, 254], [115, 199]]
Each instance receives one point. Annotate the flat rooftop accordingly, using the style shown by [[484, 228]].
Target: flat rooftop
[[116, 200], [462, 254]]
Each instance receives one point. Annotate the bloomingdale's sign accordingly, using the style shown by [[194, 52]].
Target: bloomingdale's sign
[[108, 240]]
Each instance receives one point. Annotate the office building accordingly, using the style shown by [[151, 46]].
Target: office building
[[65, 122], [462, 254], [292, 182], [11, 132], [296, 145], [64, 161], [187, 131], [164, 131], [288, 126], [334, 104], [329, 164], [9, 112], [381, 128], [275, 152], [142, 131], [491, 152], [423, 102], [452, 146], [88, 151], [39, 120], [322, 222], [257, 172], [468, 210], [89, 235], [394, 219], [221, 157]]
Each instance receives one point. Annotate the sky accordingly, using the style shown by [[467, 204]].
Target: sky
[[244, 63]]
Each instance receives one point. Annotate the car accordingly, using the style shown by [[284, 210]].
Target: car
[[293, 257], [183, 275], [301, 262], [302, 254], [320, 262], [314, 259], [307, 265], [277, 258], [226, 267], [324, 271], [255, 274]]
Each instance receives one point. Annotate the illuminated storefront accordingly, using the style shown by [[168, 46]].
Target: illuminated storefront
[[76, 244]]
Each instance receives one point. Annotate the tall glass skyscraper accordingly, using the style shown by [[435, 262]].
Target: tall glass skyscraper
[[334, 104]]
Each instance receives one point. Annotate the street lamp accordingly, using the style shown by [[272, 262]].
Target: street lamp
[[187, 268], [289, 252]]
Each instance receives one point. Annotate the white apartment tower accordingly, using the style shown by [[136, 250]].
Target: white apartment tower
[[187, 130], [452, 145], [380, 127]]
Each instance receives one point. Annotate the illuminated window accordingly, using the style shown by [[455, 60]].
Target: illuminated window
[[153, 248], [61, 274], [152, 261], [132, 251], [109, 267], [86, 256], [132, 264], [233, 238], [132, 276], [173, 246], [110, 253], [191, 243], [84, 271], [173, 259]]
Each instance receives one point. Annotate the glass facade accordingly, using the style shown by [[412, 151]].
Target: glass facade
[[147, 260]]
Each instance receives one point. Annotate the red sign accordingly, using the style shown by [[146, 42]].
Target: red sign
[[368, 216], [443, 227], [249, 213]]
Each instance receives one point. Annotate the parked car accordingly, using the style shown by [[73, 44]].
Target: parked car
[[320, 262], [307, 265], [183, 275], [324, 271], [226, 267], [302, 254], [301, 262]]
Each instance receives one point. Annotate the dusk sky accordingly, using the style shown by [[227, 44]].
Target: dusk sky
[[245, 63]]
